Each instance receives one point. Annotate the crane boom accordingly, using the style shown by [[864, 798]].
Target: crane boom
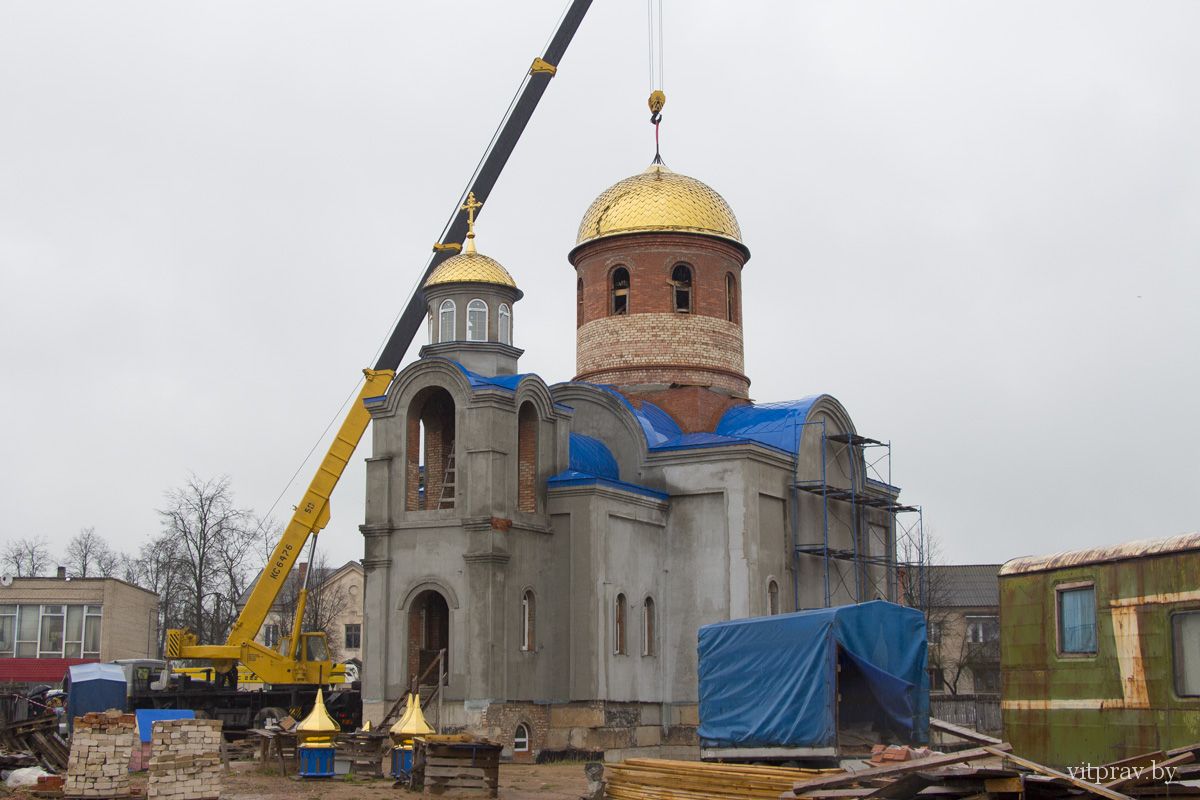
[[310, 663]]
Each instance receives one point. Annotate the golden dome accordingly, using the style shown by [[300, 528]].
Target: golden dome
[[318, 728], [659, 200], [471, 267]]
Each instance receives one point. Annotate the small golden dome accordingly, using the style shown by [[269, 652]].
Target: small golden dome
[[471, 267], [659, 200], [411, 723], [318, 728]]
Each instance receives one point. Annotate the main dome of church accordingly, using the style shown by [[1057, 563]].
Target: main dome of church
[[659, 200]]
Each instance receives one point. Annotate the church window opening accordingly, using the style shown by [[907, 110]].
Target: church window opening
[[579, 302], [429, 637], [527, 619], [504, 326], [446, 321], [681, 280], [620, 291], [432, 330], [648, 627], [619, 626], [521, 739], [731, 303], [772, 598], [527, 458], [477, 321], [430, 473]]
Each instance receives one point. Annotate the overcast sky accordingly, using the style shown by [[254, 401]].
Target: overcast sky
[[975, 223]]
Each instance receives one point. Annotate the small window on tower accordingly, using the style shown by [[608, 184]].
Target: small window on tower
[[477, 321], [681, 282], [505, 325], [446, 321], [620, 291], [731, 303], [579, 302]]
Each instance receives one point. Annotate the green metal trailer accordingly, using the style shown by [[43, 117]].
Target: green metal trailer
[[1100, 651]]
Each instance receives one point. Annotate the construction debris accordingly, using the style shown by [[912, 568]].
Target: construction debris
[[990, 771], [37, 738], [459, 764]]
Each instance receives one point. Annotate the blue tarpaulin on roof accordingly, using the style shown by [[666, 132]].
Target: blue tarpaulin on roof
[[774, 681]]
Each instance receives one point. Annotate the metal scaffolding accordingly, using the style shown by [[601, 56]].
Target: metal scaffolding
[[885, 562]]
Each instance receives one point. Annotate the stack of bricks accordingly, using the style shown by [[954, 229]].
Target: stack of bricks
[[100, 749], [185, 762]]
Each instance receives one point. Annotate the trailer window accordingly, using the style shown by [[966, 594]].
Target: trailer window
[[1077, 620], [1187, 653]]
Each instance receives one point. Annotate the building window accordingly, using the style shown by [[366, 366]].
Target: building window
[[1077, 620], [527, 445], [981, 630], [1186, 629], [681, 282], [8, 631], [505, 324], [527, 619], [934, 630], [772, 598], [578, 302], [620, 291], [271, 634], [648, 627], [937, 679], [49, 631], [521, 739], [432, 330], [353, 636], [987, 680], [619, 626], [477, 321], [731, 303], [446, 321]]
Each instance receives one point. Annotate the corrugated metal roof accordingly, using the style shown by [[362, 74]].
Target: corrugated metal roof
[[37, 670], [964, 585], [1140, 548]]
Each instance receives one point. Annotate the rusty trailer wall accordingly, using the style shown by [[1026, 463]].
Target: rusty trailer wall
[[1100, 653]]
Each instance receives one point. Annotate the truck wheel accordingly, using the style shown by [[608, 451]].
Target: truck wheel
[[267, 715]]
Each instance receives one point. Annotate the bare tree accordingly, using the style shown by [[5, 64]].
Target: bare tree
[[157, 567], [214, 552], [324, 606], [88, 555], [26, 558]]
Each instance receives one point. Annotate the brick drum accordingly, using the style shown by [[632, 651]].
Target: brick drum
[[186, 760], [100, 751]]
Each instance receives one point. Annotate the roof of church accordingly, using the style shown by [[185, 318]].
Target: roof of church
[[659, 200], [471, 267]]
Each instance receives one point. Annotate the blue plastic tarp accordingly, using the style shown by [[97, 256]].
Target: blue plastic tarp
[[94, 687], [774, 681]]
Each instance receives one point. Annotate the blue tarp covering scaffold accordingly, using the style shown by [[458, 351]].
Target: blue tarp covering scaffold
[[774, 681]]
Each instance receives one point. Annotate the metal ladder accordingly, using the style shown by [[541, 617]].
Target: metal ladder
[[445, 501]]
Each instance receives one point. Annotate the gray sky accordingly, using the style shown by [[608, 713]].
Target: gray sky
[[975, 223]]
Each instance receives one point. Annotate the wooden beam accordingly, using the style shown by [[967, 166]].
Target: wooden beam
[[963, 733], [1090, 788], [844, 778]]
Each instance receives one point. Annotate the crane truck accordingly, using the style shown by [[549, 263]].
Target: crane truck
[[292, 672]]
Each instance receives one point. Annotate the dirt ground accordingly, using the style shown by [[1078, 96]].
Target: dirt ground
[[249, 781]]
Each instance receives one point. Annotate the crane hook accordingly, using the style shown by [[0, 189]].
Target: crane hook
[[657, 100]]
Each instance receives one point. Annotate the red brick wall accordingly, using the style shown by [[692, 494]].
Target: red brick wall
[[527, 458], [695, 408]]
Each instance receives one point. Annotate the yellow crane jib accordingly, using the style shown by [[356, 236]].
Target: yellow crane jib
[[303, 657]]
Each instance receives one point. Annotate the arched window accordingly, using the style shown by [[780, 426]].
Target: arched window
[[446, 321], [432, 330], [477, 321], [578, 302], [772, 598], [648, 627], [527, 619], [527, 445], [620, 291], [429, 445], [731, 303], [521, 739], [619, 626], [504, 331], [681, 280]]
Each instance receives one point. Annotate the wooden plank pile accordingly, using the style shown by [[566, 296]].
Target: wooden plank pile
[[459, 764], [37, 737], [987, 772]]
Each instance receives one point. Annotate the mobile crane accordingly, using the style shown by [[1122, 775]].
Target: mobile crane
[[292, 672]]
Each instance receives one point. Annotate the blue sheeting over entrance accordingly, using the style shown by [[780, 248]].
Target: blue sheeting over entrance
[[774, 681]]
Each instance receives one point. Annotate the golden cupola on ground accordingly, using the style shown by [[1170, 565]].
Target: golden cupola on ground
[[658, 262], [470, 299]]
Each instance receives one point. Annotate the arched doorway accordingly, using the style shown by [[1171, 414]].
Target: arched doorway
[[428, 634]]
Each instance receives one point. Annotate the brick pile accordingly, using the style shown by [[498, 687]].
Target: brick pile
[[100, 749], [186, 760]]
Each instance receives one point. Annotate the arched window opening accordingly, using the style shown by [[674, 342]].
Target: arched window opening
[[429, 451], [648, 627], [619, 626], [578, 302], [527, 445], [772, 598], [527, 620], [521, 739], [505, 324], [477, 321], [432, 330], [620, 291], [446, 321], [731, 302], [681, 280], [429, 636]]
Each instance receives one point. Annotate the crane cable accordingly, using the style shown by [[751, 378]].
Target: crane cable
[[658, 97]]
